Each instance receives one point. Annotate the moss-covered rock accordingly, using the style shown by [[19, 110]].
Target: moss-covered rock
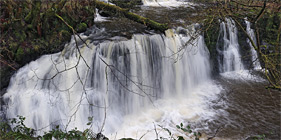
[[13, 46], [36, 48], [81, 27], [30, 29], [213, 41], [19, 54], [115, 10], [64, 35], [5, 75], [20, 35]]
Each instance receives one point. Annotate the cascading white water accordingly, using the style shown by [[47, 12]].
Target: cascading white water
[[165, 3], [122, 78], [231, 60], [251, 33], [230, 63]]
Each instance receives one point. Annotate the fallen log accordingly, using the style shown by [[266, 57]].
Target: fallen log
[[113, 10]]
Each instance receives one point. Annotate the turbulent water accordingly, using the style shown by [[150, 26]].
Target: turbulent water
[[137, 87], [122, 78]]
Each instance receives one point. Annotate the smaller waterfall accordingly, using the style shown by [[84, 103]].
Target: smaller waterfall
[[251, 33], [231, 59], [229, 56]]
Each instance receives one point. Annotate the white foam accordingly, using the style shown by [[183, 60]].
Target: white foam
[[99, 18], [170, 112], [165, 3], [244, 75]]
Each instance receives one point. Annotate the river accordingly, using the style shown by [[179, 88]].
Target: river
[[137, 83]]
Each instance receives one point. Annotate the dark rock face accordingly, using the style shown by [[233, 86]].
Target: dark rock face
[[5, 75], [213, 40], [244, 47]]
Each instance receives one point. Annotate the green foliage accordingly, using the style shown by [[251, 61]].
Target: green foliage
[[26, 21], [21, 131], [19, 54], [187, 130], [81, 27], [20, 36], [30, 29], [260, 137], [269, 27], [59, 134]]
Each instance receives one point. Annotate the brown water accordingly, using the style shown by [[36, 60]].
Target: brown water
[[176, 16], [249, 110]]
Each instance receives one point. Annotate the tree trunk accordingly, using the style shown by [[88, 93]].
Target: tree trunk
[[112, 10]]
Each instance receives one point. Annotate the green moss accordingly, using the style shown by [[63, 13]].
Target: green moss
[[29, 26], [65, 34], [81, 27], [28, 17], [28, 50], [19, 54], [20, 35], [145, 21], [269, 28], [36, 48], [14, 46]]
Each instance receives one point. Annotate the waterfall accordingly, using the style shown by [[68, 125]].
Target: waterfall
[[231, 59], [107, 81], [251, 33]]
